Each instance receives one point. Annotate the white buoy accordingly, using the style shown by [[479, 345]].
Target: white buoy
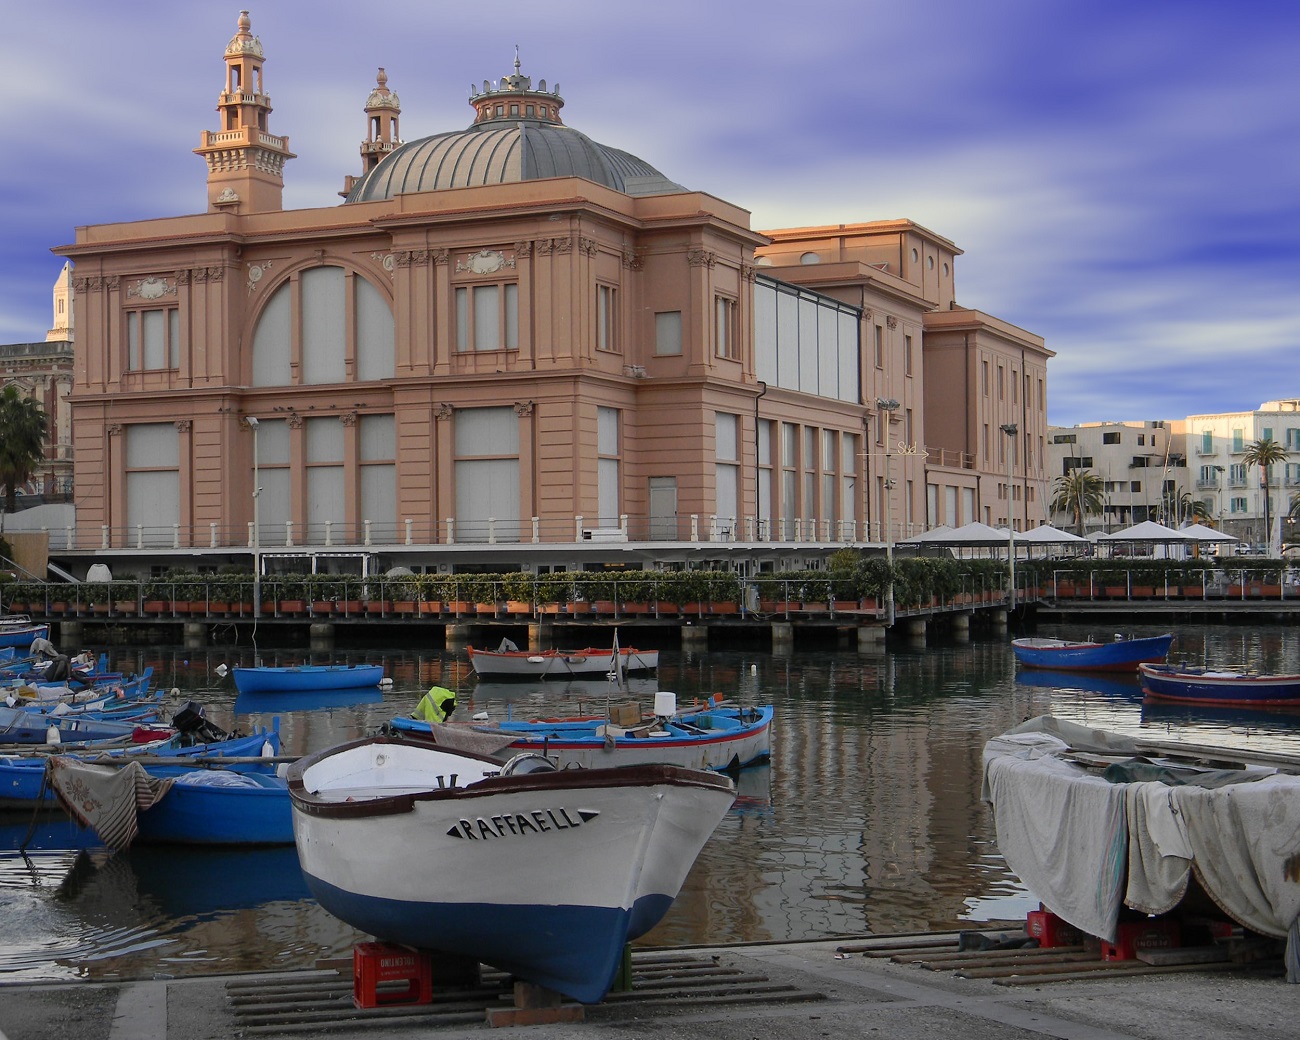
[[222, 670], [385, 682], [480, 716], [665, 704], [268, 751], [52, 735], [753, 669]]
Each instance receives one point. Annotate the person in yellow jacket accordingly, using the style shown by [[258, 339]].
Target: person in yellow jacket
[[436, 705]]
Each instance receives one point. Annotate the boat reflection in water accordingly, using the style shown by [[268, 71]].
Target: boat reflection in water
[[305, 700], [1118, 686]]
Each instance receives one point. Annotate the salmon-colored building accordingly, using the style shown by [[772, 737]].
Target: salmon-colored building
[[514, 334]]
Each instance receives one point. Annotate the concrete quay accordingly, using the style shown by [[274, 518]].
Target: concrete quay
[[801, 991]]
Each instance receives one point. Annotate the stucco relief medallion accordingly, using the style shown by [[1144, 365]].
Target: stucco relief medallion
[[256, 272], [151, 288], [386, 260], [485, 261]]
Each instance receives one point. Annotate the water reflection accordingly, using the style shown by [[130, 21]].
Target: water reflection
[[867, 819]]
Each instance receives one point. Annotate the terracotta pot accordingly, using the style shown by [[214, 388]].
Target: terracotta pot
[[407, 606], [725, 607], [156, 606], [604, 606], [290, 606], [460, 606], [580, 606], [636, 608], [518, 606]]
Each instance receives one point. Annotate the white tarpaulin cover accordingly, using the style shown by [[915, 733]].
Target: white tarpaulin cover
[[1084, 845]]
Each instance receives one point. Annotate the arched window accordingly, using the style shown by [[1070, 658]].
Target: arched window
[[336, 325]]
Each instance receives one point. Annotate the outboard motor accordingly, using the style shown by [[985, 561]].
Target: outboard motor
[[194, 726]]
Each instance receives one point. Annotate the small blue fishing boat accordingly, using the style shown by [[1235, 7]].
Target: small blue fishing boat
[[307, 677], [195, 807], [1119, 655], [1188, 684], [20, 726], [22, 771], [716, 736], [20, 630]]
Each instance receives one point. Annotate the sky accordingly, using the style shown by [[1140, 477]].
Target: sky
[[1121, 175]]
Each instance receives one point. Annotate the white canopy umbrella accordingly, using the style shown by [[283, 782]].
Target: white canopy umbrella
[[976, 533], [1206, 534], [1047, 535], [1148, 531], [935, 536]]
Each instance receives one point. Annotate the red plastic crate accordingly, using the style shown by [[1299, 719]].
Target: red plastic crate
[[384, 974], [1050, 930], [1156, 934]]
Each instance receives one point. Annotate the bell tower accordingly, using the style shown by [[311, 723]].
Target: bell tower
[[245, 161], [383, 109]]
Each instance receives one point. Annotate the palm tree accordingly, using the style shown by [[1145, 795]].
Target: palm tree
[[1080, 493], [22, 441], [1264, 453]]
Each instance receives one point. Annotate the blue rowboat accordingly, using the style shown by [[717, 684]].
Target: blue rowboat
[[716, 737], [307, 677], [20, 630], [544, 873], [22, 773], [1187, 684], [1120, 655], [20, 726], [198, 807]]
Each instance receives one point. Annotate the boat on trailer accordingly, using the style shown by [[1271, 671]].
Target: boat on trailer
[[541, 872]]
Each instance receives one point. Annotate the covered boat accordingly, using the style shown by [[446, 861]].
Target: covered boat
[[1092, 821], [1188, 684], [591, 662], [540, 872], [1085, 655], [123, 803], [715, 736], [302, 678]]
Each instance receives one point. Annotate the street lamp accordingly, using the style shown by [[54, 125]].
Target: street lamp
[[1011, 429], [257, 533], [887, 406]]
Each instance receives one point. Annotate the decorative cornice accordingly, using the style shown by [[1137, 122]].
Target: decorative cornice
[[413, 258], [523, 250], [588, 246], [633, 259], [701, 258], [748, 272]]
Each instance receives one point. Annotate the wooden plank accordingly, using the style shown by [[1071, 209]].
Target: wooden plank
[[1184, 955]]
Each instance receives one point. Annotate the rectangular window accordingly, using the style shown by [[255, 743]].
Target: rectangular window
[[607, 464], [1207, 442], [1237, 505], [1293, 438], [153, 339], [606, 318], [907, 355], [1237, 474], [1015, 394], [880, 346], [984, 378], [727, 472], [1002, 383], [668, 332], [1238, 441], [1110, 438], [487, 317], [724, 327]]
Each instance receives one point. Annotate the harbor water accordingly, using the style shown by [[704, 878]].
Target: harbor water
[[868, 818]]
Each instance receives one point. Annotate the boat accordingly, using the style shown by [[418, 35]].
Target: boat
[[1188, 684], [195, 744], [1092, 822], [1085, 655], [541, 872], [300, 678], [20, 630], [20, 726], [193, 807], [713, 736], [504, 663]]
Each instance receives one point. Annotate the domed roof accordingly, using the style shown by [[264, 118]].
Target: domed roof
[[517, 136]]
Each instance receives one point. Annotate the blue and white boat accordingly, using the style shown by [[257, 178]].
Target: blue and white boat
[[1085, 655], [716, 736], [541, 872], [19, 630], [1188, 684], [302, 678]]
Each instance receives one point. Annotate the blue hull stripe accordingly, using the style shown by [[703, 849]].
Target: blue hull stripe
[[575, 950]]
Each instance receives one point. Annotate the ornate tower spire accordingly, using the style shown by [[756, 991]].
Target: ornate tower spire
[[514, 98], [383, 108], [245, 161]]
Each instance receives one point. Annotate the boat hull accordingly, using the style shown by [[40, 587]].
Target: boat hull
[[22, 635], [546, 875], [203, 814], [307, 678], [549, 664], [723, 740], [1122, 655], [1223, 688]]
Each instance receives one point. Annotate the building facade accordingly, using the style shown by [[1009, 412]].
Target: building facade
[[512, 334]]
